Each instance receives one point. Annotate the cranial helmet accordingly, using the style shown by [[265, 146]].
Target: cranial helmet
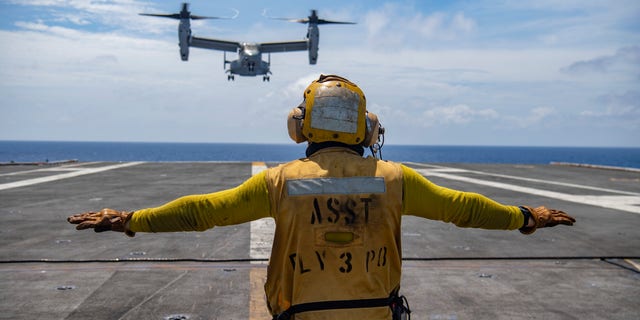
[[333, 109]]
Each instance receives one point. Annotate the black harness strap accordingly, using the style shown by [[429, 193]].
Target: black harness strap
[[337, 304]]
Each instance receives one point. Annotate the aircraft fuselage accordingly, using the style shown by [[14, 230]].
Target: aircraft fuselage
[[249, 62]]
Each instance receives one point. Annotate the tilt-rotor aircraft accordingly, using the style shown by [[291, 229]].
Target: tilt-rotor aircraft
[[249, 62]]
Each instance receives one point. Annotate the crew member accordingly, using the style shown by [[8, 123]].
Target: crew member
[[336, 251]]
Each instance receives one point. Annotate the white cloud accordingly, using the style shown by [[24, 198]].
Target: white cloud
[[462, 23], [296, 88], [117, 15], [40, 26], [393, 27], [375, 22], [457, 114], [77, 19], [441, 25], [624, 60], [89, 6], [617, 107], [535, 118], [539, 114], [39, 2]]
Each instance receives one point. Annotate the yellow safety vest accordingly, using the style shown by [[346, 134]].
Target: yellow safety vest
[[337, 237]]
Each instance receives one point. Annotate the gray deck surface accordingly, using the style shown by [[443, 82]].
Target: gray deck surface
[[51, 271]]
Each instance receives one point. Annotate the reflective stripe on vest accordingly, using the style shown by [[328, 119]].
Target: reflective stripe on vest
[[350, 185]]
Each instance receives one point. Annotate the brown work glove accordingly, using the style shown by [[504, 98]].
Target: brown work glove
[[103, 220], [544, 218]]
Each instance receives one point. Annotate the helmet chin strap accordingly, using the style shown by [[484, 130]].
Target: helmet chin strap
[[376, 148]]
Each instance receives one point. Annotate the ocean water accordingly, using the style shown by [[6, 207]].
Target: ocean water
[[43, 151]]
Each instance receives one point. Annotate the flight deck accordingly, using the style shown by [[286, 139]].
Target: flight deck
[[49, 270]]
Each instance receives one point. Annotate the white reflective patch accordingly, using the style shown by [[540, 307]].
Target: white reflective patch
[[351, 185], [335, 109]]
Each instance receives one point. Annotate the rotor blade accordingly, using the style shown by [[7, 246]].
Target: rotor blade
[[322, 21], [191, 16], [313, 18], [293, 20], [172, 16], [235, 15], [266, 15], [195, 17], [177, 16]]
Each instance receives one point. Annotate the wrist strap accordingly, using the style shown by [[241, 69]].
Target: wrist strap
[[125, 225], [527, 215]]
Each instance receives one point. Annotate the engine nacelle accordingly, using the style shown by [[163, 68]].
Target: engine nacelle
[[184, 52], [313, 36], [184, 36]]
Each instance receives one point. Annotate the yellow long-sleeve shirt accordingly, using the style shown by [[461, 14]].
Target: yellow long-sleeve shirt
[[250, 201], [343, 226]]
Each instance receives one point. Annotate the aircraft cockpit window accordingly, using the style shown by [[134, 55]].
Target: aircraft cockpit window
[[251, 49]]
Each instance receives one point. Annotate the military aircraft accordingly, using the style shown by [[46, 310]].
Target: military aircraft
[[249, 62]]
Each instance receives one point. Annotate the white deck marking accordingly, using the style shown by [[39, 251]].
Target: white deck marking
[[565, 184], [262, 232], [65, 167], [625, 202], [74, 172]]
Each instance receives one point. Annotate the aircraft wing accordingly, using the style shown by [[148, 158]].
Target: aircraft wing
[[214, 44], [302, 45]]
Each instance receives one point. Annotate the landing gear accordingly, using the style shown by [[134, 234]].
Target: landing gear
[[231, 77], [265, 78]]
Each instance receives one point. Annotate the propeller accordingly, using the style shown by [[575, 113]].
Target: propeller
[[313, 18], [186, 14]]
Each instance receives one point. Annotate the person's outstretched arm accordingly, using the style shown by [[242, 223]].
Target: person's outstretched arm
[[247, 202], [472, 210]]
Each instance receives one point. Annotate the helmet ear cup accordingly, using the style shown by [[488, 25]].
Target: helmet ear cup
[[372, 130], [294, 125]]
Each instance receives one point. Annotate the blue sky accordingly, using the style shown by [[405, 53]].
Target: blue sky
[[541, 73]]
